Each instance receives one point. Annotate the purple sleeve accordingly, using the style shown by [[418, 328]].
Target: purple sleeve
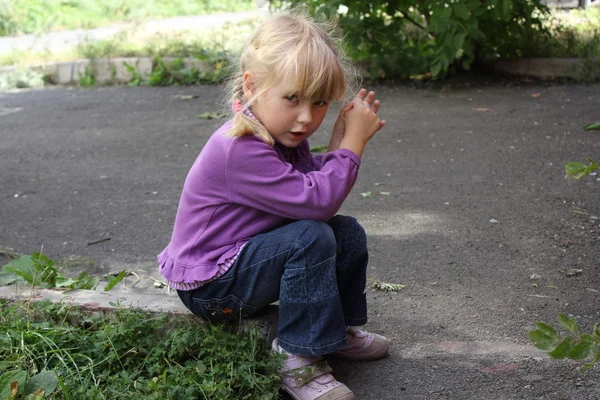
[[318, 161], [258, 178]]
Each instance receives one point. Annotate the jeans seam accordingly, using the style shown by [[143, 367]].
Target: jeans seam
[[262, 261]]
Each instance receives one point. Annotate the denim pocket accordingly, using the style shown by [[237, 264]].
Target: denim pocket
[[226, 309]]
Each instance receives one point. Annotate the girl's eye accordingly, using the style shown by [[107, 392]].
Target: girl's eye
[[293, 98], [320, 103]]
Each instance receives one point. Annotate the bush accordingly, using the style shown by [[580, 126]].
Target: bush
[[400, 38]]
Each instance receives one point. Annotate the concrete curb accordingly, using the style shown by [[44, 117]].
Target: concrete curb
[[107, 302], [113, 70], [106, 70]]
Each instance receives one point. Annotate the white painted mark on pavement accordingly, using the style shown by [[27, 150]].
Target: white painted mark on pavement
[[7, 111]]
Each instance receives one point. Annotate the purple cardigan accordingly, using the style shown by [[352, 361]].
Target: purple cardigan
[[240, 187]]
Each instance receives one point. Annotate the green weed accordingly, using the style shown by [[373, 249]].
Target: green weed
[[574, 346], [132, 354], [39, 270], [87, 78], [21, 78]]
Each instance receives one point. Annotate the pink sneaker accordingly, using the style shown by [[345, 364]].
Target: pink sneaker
[[309, 378], [363, 346]]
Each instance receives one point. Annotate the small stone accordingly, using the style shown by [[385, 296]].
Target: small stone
[[493, 221]]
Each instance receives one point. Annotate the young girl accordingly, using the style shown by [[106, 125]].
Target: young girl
[[257, 217]]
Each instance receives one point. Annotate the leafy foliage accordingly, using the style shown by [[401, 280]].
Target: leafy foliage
[[39, 270], [405, 38], [577, 170], [130, 355], [575, 346]]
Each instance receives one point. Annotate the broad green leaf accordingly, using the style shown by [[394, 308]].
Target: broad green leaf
[[570, 324], [581, 350], [23, 267], [113, 280], [574, 168], [8, 277], [444, 12], [45, 380], [8, 378], [592, 127], [461, 11], [547, 329], [562, 349], [318, 149], [62, 281], [579, 170], [459, 41], [541, 340], [436, 68]]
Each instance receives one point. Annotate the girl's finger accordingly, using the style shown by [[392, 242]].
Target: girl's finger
[[361, 93], [376, 106], [370, 97]]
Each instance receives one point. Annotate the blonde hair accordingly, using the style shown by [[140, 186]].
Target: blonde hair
[[291, 46]]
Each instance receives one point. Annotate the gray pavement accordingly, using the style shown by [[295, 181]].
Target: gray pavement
[[478, 220]]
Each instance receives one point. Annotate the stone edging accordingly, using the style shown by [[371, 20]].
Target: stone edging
[[105, 71], [106, 302], [112, 70]]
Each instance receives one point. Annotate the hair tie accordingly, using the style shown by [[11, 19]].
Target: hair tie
[[238, 106]]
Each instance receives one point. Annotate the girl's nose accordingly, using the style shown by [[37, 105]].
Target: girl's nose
[[305, 115]]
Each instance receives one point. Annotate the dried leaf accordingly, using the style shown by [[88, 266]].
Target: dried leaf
[[536, 95], [188, 97], [208, 115], [387, 287], [481, 109], [366, 194]]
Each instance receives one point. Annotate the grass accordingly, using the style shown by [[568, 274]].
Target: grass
[[38, 16], [57, 351]]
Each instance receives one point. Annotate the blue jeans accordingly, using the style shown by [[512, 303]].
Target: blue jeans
[[316, 270]]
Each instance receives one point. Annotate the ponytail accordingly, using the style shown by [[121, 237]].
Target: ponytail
[[244, 125]]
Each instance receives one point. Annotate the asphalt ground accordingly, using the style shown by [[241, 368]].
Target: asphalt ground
[[468, 207]]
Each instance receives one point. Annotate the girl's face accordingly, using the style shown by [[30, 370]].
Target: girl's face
[[289, 118]]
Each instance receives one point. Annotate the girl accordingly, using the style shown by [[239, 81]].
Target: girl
[[256, 221]]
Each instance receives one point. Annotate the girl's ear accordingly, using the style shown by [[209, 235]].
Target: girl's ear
[[248, 85]]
